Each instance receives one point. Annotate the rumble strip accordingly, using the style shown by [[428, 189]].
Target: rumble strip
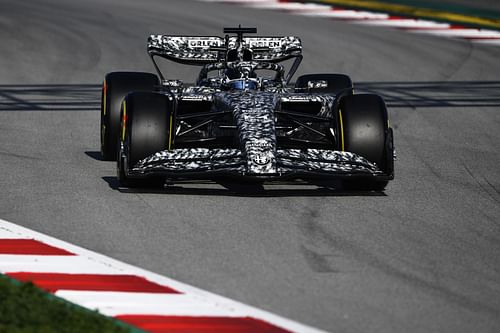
[[414, 25], [143, 299]]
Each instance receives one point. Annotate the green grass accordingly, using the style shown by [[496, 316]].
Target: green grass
[[26, 309]]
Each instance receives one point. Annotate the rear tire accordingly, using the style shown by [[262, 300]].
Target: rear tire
[[336, 83], [365, 131], [148, 118], [115, 87]]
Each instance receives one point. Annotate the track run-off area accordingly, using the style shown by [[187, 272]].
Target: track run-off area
[[424, 256]]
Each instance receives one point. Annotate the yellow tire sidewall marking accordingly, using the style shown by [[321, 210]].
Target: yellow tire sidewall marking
[[341, 131], [170, 135], [104, 93], [124, 118]]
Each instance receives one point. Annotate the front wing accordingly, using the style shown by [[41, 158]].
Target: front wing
[[205, 163]]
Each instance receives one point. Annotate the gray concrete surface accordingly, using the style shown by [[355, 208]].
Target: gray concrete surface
[[423, 257]]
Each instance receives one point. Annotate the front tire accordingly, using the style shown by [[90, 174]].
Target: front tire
[[115, 87], [364, 130], [147, 128]]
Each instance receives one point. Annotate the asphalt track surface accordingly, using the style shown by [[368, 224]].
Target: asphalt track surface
[[422, 257]]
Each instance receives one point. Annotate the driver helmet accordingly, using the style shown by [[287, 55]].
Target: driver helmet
[[234, 56], [242, 84]]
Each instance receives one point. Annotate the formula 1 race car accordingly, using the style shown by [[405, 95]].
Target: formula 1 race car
[[242, 118]]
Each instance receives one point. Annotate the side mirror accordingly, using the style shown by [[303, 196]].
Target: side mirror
[[317, 84]]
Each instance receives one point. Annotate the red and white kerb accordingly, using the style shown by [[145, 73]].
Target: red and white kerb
[[420, 26], [143, 299]]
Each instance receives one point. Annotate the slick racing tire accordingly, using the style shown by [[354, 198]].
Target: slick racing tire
[[364, 130], [146, 125], [115, 87], [336, 83]]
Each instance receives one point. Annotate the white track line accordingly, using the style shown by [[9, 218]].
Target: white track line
[[291, 6], [407, 24], [488, 41], [191, 302], [462, 33], [482, 36], [116, 303], [347, 14], [237, 1], [312, 9], [54, 264]]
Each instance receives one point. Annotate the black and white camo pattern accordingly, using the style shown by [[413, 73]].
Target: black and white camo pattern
[[319, 160], [253, 112], [192, 160], [327, 101], [258, 155], [198, 94], [287, 161], [201, 48], [185, 48], [245, 69], [279, 47]]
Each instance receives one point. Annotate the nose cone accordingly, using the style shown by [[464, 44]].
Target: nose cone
[[261, 156], [254, 116]]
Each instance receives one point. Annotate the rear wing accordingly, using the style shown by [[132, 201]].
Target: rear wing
[[201, 50]]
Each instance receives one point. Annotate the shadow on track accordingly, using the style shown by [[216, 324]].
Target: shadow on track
[[86, 97], [50, 97], [233, 188], [96, 155], [435, 94]]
